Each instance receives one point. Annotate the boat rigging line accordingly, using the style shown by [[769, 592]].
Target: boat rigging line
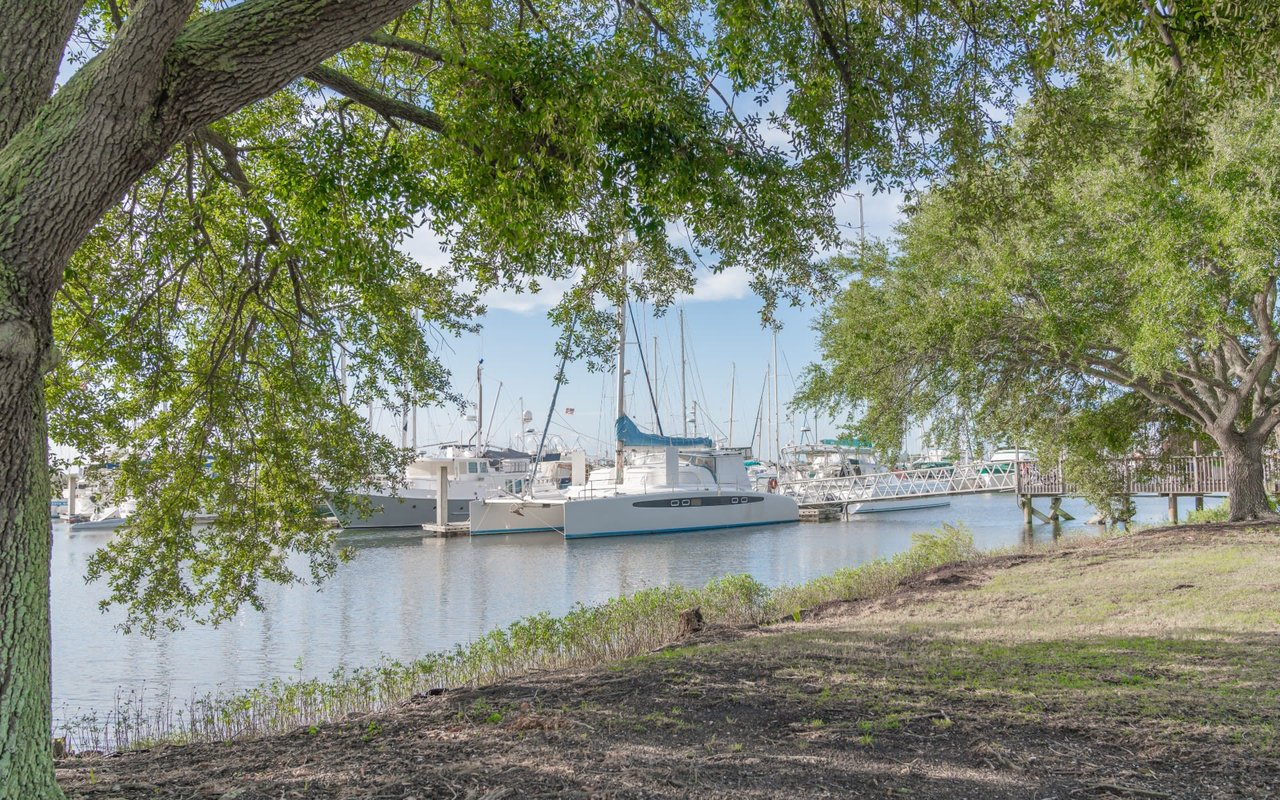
[[644, 366], [564, 358]]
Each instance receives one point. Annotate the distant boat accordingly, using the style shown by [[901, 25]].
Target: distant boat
[[1001, 461], [106, 518], [669, 485], [875, 491], [470, 476], [658, 484]]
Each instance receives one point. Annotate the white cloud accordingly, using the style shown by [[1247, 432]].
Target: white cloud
[[549, 293], [731, 284], [426, 248]]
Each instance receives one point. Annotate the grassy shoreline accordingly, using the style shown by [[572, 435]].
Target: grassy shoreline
[[589, 635], [1138, 666]]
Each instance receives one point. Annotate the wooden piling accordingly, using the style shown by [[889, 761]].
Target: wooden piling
[[442, 526], [1173, 507]]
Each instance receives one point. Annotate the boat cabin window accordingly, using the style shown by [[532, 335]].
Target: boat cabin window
[[472, 467], [484, 466]]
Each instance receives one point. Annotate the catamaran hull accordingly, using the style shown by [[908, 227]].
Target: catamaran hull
[[675, 512], [405, 511], [511, 515]]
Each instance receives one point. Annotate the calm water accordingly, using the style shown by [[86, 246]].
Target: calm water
[[405, 595]]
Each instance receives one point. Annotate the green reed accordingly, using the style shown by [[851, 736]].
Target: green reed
[[586, 636]]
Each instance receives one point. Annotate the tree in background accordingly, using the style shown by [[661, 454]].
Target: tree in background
[[1068, 290]]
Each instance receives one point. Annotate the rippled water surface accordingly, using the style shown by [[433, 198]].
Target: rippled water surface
[[405, 595]]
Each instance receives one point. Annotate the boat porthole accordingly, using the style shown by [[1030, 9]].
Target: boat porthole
[[675, 503], [733, 500], [743, 500], [684, 502]]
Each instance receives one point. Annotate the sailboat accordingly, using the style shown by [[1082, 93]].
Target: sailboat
[[659, 484]]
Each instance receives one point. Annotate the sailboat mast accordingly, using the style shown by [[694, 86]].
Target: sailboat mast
[[684, 408], [733, 379], [622, 368], [657, 422], [777, 409], [479, 405]]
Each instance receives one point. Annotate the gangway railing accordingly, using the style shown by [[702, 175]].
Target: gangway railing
[[934, 481], [1166, 476]]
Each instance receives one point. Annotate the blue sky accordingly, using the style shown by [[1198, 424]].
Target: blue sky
[[723, 337]]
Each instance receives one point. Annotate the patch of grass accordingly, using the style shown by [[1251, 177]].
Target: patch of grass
[[948, 545]]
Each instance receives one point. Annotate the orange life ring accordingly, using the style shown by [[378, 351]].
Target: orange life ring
[[773, 484]]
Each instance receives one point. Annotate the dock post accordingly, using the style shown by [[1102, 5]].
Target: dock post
[[1025, 502], [1173, 507], [1199, 502], [442, 498], [73, 484]]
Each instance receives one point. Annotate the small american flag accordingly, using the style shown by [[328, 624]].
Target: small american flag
[[568, 412]]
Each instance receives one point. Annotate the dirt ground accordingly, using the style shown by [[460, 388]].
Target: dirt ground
[[1141, 667]]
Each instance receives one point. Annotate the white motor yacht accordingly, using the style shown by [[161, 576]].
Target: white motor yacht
[[471, 476]]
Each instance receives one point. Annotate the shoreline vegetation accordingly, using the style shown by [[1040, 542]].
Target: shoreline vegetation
[[1139, 665], [587, 636]]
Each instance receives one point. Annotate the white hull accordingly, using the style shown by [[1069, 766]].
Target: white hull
[[516, 515], [675, 512], [116, 520], [906, 504], [411, 509], [111, 523]]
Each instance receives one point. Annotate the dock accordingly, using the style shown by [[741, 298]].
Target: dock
[[1171, 477]]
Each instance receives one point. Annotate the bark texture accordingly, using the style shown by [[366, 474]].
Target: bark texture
[[64, 160], [26, 754], [27, 71], [1246, 485]]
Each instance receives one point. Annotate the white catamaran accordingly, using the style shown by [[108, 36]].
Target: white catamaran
[[659, 484]]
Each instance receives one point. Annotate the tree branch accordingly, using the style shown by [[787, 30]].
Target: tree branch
[[420, 49], [1173, 394], [108, 124], [833, 47], [32, 40], [1166, 36], [374, 100], [226, 60]]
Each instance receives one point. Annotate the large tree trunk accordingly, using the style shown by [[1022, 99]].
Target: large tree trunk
[[63, 161], [26, 755], [1246, 487]]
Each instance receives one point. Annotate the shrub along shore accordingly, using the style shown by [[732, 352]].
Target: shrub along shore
[[1134, 666]]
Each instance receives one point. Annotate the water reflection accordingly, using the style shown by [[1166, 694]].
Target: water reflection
[[404, 594]]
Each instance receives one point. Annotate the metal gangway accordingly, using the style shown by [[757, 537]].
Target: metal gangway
[[1167, 476], [974, 478]]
